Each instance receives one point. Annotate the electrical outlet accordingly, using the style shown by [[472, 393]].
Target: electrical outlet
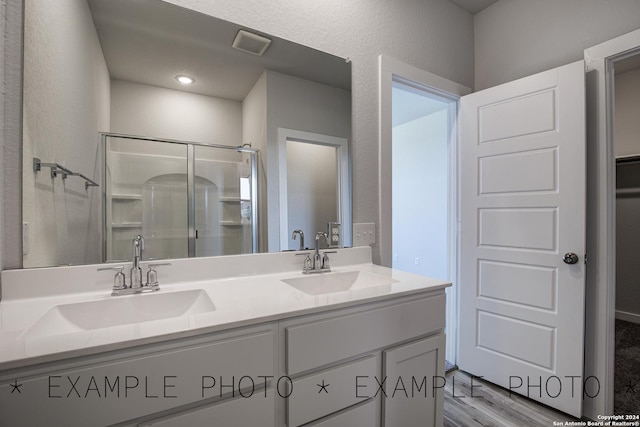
[[417, 261], [333, 231], [364, 234]]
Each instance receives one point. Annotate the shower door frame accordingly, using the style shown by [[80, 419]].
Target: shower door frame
[[191, 190]]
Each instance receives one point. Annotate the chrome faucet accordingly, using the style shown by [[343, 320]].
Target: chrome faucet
[[293, 236], [317, 260], [136, 285], [317, 264], [120, 283], [136, 272]]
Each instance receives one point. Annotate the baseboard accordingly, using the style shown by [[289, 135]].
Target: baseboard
[[629, 317]]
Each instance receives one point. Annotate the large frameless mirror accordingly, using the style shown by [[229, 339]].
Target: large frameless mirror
[[178, 130]]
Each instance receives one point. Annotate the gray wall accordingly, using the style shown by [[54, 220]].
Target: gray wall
[[517, 38], [627, 143], [434, 35], [11, 125], [139, 109], [63, 216], [293, 103]]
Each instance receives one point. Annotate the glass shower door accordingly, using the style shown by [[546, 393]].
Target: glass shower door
[[224, 202], [146, 193], [184, 198]]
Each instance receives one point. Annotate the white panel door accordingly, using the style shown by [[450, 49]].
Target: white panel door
[[522, 205]]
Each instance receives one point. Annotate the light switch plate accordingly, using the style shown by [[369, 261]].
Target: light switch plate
[[364, 233]]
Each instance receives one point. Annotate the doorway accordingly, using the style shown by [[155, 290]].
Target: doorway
[[422, 192], [423, 203], [626, 147], [418, 184]]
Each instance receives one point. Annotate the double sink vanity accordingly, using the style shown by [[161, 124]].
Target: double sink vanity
[[246, 340]]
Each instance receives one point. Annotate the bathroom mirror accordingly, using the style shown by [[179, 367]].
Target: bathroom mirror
[[114, 66]]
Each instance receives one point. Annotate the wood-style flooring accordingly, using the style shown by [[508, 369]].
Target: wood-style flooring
[[492, 406]]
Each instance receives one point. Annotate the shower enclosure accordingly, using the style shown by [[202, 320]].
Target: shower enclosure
[[186, 199]]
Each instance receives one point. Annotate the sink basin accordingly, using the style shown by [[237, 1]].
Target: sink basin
[[114, 311], [325, 283]]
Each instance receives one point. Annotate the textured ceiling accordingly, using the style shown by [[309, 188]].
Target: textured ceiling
[[150, 42]]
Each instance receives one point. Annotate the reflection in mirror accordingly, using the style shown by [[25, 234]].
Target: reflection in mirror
[[314, 181], [112, 66], [185, 199]]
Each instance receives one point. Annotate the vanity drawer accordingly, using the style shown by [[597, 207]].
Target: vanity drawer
[[364, 415], [314, 344], [310, 401], [139, 382], [258, 410]]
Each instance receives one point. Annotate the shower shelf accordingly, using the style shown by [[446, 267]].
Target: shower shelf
[[126, 196], [230, 199], [231, 223], [126, 225]]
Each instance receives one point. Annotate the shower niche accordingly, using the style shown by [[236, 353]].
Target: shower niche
[[186, 199]]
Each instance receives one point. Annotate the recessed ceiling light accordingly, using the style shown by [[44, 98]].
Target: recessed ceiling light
[[185, 80]]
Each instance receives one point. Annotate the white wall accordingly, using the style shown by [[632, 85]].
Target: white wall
[[517, 38], [139, 109], [420, 196], [421, 33], [76, 78]]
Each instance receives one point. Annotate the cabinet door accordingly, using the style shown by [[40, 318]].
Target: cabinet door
[[414, 384]]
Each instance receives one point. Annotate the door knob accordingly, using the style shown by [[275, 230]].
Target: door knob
[[570, 258]]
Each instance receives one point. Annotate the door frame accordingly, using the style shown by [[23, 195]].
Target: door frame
[[343, 180], [601, 216], [390, 70]]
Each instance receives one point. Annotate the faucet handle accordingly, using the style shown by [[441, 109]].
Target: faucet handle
[[119, 280], [152, 274], [307, 261], [325, 259]]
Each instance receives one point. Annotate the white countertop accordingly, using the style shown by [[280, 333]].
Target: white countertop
[[239, 301]]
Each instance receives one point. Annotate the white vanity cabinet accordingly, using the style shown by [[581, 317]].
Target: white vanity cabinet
[[140, 384], [381, 362], [374, 363]]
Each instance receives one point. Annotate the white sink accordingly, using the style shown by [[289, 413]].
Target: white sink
[[123, 310], [325, 283]]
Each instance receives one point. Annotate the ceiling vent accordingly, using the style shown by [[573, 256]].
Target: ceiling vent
[[251, 43]]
